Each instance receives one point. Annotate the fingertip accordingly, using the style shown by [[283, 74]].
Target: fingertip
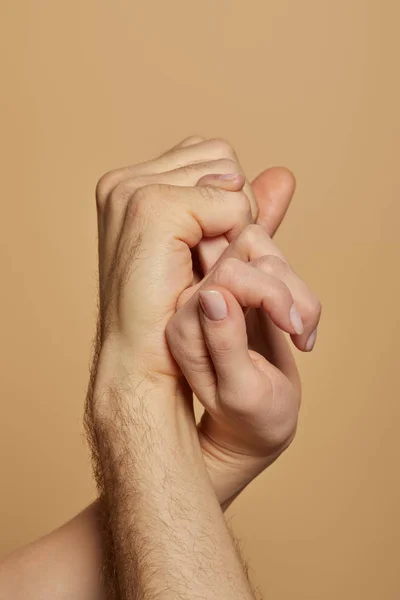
[[220, 309], [305, 342], [213, 305], [273, 189], [278, 180], [311, 341]]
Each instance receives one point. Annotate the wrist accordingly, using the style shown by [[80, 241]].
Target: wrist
[[122, 373], [127, 407], [230, 472]]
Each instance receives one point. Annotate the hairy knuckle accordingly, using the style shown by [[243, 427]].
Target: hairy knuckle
[[122, 192], [144, 196], [139, 203]]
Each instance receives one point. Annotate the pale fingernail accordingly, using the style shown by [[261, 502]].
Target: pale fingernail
[[296, 321], [311, 341], [225, 176], [213, 304]]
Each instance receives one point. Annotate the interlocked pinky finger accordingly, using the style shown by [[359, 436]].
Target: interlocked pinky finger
[[255, 289]]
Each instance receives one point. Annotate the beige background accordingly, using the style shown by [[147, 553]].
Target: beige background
[[313, 84]]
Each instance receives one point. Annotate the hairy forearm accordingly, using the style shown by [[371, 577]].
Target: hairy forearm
[[168, 535]]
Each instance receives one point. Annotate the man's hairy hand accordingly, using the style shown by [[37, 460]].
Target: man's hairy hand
[[167, 534]]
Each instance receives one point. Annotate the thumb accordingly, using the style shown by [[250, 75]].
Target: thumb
[[224, 329], [273, 190]]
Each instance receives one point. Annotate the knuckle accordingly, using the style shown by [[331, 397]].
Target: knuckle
[[312, 309], [145, 195], [227, 270], [223, 148], [104, 186], [273, 265], [280, 292], [140, 202], [155, 201], [252, 234], [123, 191]]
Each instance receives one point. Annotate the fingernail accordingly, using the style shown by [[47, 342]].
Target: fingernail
[[226, 176], [311, 341], [213, 304], [296, 321]]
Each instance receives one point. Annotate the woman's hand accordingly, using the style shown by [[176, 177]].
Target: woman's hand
[[239, 365]]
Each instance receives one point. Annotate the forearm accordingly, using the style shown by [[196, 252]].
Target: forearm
[[73, 557], [169, 537]]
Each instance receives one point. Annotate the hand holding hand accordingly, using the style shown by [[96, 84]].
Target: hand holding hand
[[239, 367]]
